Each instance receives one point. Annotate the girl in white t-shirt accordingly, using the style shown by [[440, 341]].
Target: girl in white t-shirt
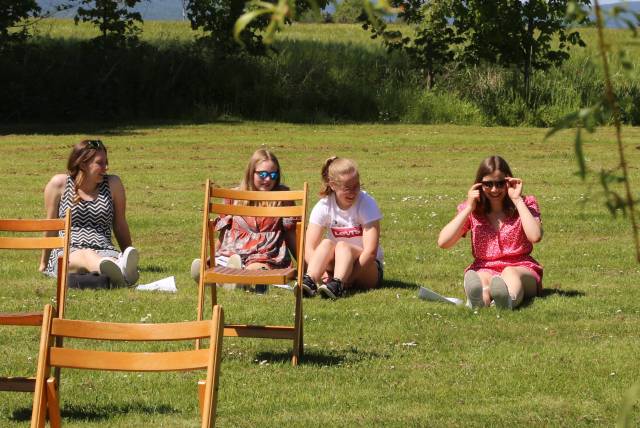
[[343, 235]]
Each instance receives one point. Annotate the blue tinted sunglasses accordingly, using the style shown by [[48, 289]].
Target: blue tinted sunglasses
[[264, 174]]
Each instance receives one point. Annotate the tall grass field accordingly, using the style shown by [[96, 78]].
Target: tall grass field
[[378, 358], [317, 73]]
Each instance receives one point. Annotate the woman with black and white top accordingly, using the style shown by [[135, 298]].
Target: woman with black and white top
[[350, 255], [98, 203]]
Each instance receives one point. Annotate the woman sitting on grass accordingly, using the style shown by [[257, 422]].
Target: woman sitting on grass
[[350, 256], [98, 203], [256, 242], [504, 225]]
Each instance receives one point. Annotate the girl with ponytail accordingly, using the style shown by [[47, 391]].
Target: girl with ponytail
[[343, 236]]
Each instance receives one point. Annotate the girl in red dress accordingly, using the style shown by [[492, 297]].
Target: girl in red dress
[[504, 225]]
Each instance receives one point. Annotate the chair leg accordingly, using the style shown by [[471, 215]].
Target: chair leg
[[298, 343], [53, 405], [201, 388]]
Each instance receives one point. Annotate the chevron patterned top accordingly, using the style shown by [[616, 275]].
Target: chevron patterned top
[[90, 220]]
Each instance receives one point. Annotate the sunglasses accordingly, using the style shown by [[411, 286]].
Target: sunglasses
[[95, 144], [264, 174], [498, 184]]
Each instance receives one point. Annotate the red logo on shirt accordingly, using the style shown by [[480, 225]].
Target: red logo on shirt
[[346, 232]]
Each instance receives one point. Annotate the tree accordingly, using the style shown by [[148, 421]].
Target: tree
[[432, 46], [217, 19], [348, 12], [117, 23], [12, 12], [516, 33]]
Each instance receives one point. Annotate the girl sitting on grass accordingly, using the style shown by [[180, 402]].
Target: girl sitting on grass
[[256, 242], [504, 225], [98, 203], [350, 255]]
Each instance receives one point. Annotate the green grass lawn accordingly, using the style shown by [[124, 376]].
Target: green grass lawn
[[372, 359]]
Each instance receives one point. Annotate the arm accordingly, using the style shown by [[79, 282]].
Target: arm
[[120, 225], [531, 225], [370, 242], [312, 240], [453, 231], [52, 195]]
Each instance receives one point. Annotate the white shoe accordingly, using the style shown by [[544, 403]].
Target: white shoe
[[500, 293], [195, 270], [110, 268], [234, 261], [128, 262], [473, 289]]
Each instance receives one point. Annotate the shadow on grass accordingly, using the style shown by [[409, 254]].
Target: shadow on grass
[[152, 268], [98, 413], [315, 357], [395, 283], [546, 292]]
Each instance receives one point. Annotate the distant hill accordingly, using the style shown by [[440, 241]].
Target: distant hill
[[171, 10], [633, 6]]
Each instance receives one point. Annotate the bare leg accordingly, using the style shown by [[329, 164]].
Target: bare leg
[[485, 277], [85, 260], [349, 270], [521, 283], [321, 259]]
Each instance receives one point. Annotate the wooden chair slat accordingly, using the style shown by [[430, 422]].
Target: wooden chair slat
[[30, 243], [129, 361], [17, 384], [135, 332], [252, 211], [252, 195], [31, 225], [21, 318], [260, 331]]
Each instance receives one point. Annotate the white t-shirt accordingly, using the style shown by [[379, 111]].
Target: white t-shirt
[[347, 225]]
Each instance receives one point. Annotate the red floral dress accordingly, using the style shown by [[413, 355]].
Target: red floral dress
[[495, 249]]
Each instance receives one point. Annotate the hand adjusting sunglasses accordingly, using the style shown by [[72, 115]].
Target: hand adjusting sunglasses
[[264, 174], [499, 184]]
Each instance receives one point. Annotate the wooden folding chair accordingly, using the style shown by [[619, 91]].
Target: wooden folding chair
[[210, 275], [21, 240], [45, 399]]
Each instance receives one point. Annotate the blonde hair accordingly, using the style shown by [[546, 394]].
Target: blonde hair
[[258, 156], [332, 171]]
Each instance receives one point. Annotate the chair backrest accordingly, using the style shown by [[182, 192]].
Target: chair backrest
[[293, 204], [22, 238], [52, 356]]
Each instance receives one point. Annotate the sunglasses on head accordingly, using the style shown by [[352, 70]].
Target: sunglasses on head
[[264, 174], [498, 184], [95, 144]]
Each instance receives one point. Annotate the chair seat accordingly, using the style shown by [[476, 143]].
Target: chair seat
[[220, 274]]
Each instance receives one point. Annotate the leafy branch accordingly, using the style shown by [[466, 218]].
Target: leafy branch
[[609, 107]]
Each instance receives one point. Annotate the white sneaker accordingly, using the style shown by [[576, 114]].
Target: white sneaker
[[234, 261], [128, 262], [500, 293], [473, 289], [110, 268], [195, 270]]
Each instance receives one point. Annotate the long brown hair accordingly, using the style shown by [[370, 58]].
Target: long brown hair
[[258, 156], [81, 154], [333, 168], [487, 167]]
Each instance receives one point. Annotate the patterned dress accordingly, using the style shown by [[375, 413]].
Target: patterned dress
[[91, 222], [256, 239], [495, 249]]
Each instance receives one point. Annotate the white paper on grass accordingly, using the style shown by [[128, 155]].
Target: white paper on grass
[[168, 285], [426, 294]]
